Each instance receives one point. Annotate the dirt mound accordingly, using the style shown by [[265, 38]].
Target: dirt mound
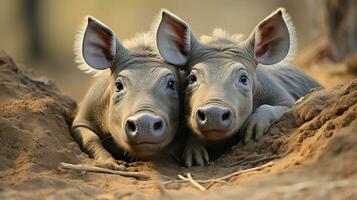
[[34, 127], [309, 153], [34, 121]]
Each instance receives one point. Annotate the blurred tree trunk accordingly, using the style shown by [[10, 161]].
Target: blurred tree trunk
[[31, 10], [341, 19], [333, 30]]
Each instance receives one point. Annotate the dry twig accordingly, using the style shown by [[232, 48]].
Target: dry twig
[[223, 179], [88, 168], [192, 181], [265, 158], [212, 183]]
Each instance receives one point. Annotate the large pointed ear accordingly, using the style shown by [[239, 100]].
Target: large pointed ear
[[97, 45], [273, 39], [173, 39]]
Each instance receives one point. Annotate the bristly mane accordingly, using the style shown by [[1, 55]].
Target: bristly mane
[[221, 39], [142, 49], [142, 45]]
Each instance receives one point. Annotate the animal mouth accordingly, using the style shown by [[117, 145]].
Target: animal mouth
[[145, 143], [214, 134], [145, 147], [214, 131]]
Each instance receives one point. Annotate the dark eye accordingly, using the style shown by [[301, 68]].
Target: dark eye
[[119, 86], [192, 78], [171, 84], [243, 79]]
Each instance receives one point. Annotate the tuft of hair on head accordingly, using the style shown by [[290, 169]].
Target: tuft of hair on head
[[221, 36], [142, 44], [77, 48]]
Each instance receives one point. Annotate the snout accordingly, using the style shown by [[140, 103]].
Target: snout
[[145, 130], [214, 119]]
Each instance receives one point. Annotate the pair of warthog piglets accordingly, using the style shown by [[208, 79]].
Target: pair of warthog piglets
[[148, 89]]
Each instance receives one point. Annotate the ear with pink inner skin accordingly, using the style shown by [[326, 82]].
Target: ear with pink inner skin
[[173, 39], [99, 45], [271, 39]]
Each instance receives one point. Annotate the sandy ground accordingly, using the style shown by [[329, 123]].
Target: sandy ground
[[311, 152]]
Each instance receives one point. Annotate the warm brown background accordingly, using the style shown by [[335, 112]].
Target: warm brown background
[[59, 21]]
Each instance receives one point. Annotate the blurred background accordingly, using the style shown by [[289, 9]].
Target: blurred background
[[40, 33]]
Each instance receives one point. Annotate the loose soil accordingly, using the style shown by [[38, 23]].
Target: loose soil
[[313, 148]]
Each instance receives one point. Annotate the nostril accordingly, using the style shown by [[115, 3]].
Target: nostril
[[157, 125], [130, 125], [201, 115], [226, 116]]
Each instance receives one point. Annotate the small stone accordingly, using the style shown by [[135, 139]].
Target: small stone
[[276, 136], [328, 134], [173, 186], [121, 162], [301, 139], [330, 126], [276, 146]]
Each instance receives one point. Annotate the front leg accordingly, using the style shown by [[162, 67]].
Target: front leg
[[91, 144], [195, 152], [259, 122]]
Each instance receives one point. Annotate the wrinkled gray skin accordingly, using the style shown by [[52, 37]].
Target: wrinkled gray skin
[[132, 109], [228, 89]]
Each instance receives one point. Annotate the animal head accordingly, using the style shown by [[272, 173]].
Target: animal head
[[222, 69], [141, 100]]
